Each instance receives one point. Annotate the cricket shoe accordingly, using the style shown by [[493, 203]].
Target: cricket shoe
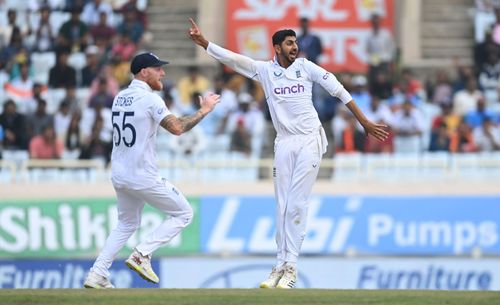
[[273, 278], [142, 265], [289, 278], [97, 281]]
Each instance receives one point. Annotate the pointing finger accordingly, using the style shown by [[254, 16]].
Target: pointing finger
[[193, 24]]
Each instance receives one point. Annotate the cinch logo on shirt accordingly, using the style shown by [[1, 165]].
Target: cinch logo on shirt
[[299, 88]]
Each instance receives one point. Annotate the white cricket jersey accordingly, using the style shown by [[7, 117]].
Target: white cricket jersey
[[288, 91], [136, 114]]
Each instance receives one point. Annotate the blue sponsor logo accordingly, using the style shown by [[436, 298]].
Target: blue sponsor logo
[[33, 274], [418, 225], [432, 277]]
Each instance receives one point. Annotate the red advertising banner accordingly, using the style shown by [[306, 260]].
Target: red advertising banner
[[342, 25]]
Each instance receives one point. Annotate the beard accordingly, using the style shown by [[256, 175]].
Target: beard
[[288, 57], [155, 84]]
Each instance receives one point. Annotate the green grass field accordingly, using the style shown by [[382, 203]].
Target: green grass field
[[245, 296]]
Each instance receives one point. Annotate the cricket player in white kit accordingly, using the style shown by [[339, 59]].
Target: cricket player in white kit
[[300, 142], [136, 113]]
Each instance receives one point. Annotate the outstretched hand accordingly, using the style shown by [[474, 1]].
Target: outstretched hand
[[196, 35], [207, 103], [377, 130]]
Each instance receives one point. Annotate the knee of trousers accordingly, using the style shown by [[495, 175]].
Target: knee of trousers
[[296, 213], [186, 216], [129, 227]]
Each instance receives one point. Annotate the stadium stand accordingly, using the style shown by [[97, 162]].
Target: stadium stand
[[412, 101]]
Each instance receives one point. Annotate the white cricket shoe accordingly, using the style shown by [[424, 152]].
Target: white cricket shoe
[[97, 281], [142, 265], [289, 278], [273, 278]]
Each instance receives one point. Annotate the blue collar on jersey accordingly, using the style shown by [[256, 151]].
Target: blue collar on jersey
[[275, 61], [136, 83]]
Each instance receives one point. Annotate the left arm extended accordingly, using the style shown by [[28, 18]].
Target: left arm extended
[[376, 130], [330, 83]]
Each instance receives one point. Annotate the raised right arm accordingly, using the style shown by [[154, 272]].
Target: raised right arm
[[239, 63], [180, 125]]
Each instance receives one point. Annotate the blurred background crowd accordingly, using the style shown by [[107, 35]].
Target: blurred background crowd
[[63, 61]]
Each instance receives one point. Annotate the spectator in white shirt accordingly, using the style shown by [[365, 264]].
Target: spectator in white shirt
[[379, 112], [489, 77], [252, 119], [20, 90], [380, 49], [466, 99], [484, 18], [487, 136], [215, 124], [11, 27], [92, 10], [408, 127], [62, 118], [45, 32]]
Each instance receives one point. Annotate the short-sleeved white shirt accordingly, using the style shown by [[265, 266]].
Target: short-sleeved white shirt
[[136, 114]]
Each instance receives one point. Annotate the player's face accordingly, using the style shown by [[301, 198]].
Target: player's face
[[288, 49], [154, 76]]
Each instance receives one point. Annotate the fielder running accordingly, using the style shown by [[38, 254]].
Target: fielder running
[[136, 113], [300, 142]]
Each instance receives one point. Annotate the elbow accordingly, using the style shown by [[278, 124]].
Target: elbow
[[173, 126]]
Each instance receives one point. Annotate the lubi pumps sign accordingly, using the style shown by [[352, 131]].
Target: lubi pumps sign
[[379, 225], [76, 228]]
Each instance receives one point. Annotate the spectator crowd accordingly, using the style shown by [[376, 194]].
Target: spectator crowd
[[62, 62]]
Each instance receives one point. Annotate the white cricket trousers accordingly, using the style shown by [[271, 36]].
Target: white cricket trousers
[[296, 165], [163, 196]]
